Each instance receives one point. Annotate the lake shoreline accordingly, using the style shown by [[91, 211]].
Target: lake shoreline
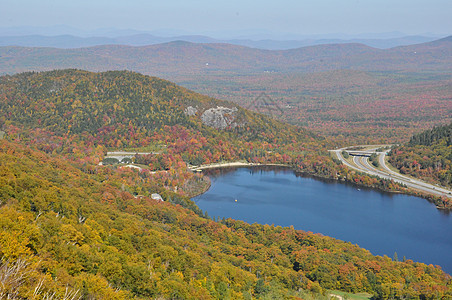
[[327, 201], [234, 164], [240, 164]]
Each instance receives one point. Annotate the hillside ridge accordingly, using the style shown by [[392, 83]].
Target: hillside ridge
[[72, 225], [179, 58]]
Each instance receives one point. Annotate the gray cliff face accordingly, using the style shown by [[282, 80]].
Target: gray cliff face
[[191, 111], [219, 117]]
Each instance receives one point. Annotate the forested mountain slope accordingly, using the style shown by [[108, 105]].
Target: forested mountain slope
[[347, 90], [65, 228], [82, 115], [123, 110], [427, 155], [185, 58], [66, 221]]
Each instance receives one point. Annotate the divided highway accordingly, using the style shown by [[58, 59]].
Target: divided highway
[[362, 164]]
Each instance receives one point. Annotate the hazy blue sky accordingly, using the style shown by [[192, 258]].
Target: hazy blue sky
[[201, 16]]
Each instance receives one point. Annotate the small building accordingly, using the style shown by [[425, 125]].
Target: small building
[[157, 197]]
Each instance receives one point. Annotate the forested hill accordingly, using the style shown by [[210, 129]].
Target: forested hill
[[427, 155], [185, 58], [69, 226], [74, 102], [81, 115], [120, 110], [67, 231], [436, 135]]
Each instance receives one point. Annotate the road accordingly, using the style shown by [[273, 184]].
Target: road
[[362, 164]]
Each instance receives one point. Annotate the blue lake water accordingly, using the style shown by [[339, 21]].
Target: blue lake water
[[381, 222]]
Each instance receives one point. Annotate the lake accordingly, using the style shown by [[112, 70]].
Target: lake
[[381, 222]]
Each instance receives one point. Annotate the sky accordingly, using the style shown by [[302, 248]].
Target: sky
[[236, 17]]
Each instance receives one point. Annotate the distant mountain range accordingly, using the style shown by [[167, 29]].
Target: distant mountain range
[[186, 58], [144, 39]]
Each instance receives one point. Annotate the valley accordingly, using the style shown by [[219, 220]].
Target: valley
[[349, 92], [84, 152], [348, 106]]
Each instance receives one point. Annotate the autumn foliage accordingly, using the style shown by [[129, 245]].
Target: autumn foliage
[[89, 232], [71, 225]]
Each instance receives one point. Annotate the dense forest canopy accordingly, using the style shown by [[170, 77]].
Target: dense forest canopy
[[427, 155], [71, 225], [349, 106], [437, 135], [81, 115], [351, 93], [63, 226]]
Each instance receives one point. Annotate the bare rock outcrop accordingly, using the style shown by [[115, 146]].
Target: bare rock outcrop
[[220, 117], [191, 111]]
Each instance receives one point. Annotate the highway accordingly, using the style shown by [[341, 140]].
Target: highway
[[362, 164]]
